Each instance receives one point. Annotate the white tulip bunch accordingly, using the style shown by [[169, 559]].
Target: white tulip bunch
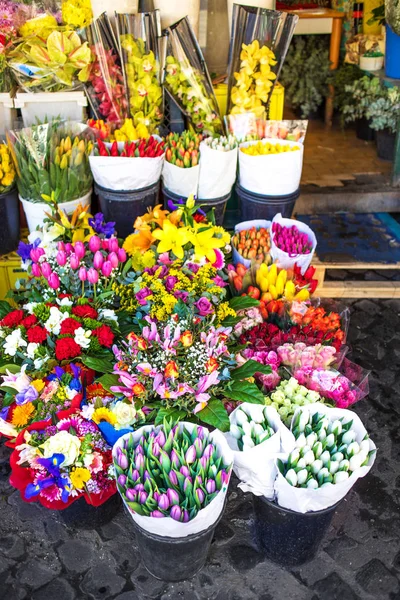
[[251, 431], [326, 451], [222, 143]]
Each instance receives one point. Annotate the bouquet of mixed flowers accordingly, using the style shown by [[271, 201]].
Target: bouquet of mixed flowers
[[7, 170], [57, 464], [41, 334], [8, 32], [76, 13], [138, 37]]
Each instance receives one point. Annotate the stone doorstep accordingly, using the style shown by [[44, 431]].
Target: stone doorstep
[[335, 200]]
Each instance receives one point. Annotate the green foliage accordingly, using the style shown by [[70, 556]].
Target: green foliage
[[384, 111], [369, 98], [344, 76], [359, 97], [305, 73], [392, 15]]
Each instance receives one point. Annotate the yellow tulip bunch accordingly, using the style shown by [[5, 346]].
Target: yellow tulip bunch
[[262, 148], [254, 80], [130, 131], [276, 284], [7, 170], [68, 154]]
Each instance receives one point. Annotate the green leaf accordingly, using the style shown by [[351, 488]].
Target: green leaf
[[244, 391], [231, 321], [108, 380], [169, 413], [5, 308], [249, 369], [136, 507], [7, 400], [240, 302], [8, 390], [11, 368], [215, 414], [101, 365]]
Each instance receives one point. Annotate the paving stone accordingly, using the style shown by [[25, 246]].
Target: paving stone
[[12, 591], [375, 578], [128, 596], [244, 558], [35, 573], [125, 554], [223, 533], [101, 582], [334, 588], [77, 556], [58, 589], [147, 585], [344, 550]]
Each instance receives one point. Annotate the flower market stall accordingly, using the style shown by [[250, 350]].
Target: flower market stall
[[148, 352]]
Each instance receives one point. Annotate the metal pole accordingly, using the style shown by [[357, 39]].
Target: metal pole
[[396, 162]]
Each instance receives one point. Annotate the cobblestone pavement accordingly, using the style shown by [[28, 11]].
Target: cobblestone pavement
[[42, 559]]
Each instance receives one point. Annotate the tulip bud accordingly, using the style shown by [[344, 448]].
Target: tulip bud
[[236, 432], [36, 253], [98, 260], [36, 272], [291, 477], [165, 461], [74, 261], [61, 258], [210, 486], [82, 274], [130, 494], [122, 461], [175, 459], [348, 437], [68, 248], [302, 476], [121, 255], [135, 475], [160, 438], [94, 243], [186, 517], [340, 476], [185, 471], [157, 514], [209, 451], [80, 250], [139, 487], [61, 247], [312, 484], [54, 281], [173, 478], [46, 270], [113, 258], [113, 245], [200, 495], [317, 465], [175, 513], [241, 417], [142, 497], [190, 455], [163, 502], [122, 480], [155, 448], [173, 496], [92, 275], [106, 268], [105, 244], [139, 461]]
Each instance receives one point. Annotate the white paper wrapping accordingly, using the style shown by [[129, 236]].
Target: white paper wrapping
[[168, 527], [271, 174], [285, 260], [304, 500], [217, 172], [257, 223], [122, 173], [182, 182], [256, 467]]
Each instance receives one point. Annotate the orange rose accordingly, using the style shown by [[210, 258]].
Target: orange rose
[[138, 389], [212, 364], [171, 369], [186, 339]]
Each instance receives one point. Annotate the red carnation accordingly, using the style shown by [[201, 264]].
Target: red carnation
[[36, 334], [62, 296], [67, 348], [104, 335], [13, 318], [85, 312], [69, 326], [29, 321]]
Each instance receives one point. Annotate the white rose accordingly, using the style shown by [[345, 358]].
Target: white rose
[[82, 337], [13, 342], [62, 443], [64, 302], [31, 349], [125, 414], [87, 411]]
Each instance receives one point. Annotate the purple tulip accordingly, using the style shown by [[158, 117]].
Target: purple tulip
[[142, 497], [121, 255], [80, 250], [185, 471], [139, 461], [54, 281], [139, 449], [94, 243], [203, 461], [36, 272], [200, 432], [209, 451], [198, 444], [155, 449], [74, 261], [130, 494], [199, 480], [190, 455], [36, 253], [92, 275], [113, 258], [175, 513], [156, 496], [113, 245], [122, 461], [173, 496], [122, 480], [135, 475], [46, 269], [106, 268], [200, 495], [98, 260], [210, 486], [163, 502], [157, 514], [175, 459], [173, 478], [188, 483], [139, 487], [61, 258], [186, 517], [146, 476], [161, 438]]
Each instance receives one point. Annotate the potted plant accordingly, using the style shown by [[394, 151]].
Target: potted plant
[[359, 96], [384, 114], [371, 61], [9, 208], [173, 480], [308, 58], [340, 78]]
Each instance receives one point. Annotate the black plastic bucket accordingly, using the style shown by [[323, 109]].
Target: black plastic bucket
[[124, 207], [9, 219], [286, 537], [364, 131], [219, 204], [82, 514], [174, 559], [385, 144], [256, 206]]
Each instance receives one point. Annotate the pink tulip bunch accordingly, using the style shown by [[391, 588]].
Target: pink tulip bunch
[[42, 268], [290, 239]]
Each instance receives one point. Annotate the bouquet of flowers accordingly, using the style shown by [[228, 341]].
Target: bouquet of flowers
[[181, 167], [124, 131], [76, 13], [138, 37], [288, 396], [41, 334], [57, 464], [27, 400], [52, 162], [7, 170], [7, 34], [292, 243], [188, 81]]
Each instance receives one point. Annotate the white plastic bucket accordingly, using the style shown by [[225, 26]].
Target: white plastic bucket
[[257, 3], [7, 113], [172, 11], [35, 212], [49, 105]]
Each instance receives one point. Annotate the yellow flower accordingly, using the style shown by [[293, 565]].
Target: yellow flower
[[204, 244], [223, 311], [104, 414], [171, 238], [38, 384], [225, 236], [79, 477], [138, 241], [22, 414]]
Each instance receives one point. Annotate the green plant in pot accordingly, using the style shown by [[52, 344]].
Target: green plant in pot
[[305, 74], [359, 97], [384, 116], [340, 79], [9, 207]]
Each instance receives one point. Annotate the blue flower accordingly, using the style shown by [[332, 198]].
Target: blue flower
[[52, 464], [172, 206], [75, 384], [75, 370], [100, 226], [4, 412], [28, 395]]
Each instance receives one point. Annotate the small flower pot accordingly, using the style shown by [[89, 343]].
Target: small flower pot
[[364, 131], [371, 63], [174, 559], [219, 204], [256, 206], [385, 144], [124, 207], [286, 537], [35, 212], [82, 514], [9, 219]]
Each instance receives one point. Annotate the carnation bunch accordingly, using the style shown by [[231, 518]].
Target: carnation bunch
[[170, 472], [250, 432]]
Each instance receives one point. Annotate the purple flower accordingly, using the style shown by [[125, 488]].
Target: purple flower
[[193, 267], [175, 513], [200, 495], [135, 475], [185, 471], [190, 455], [160, 438], [163, 502], [175, 459], [173, 496], [210, 486], [139, 487], [100, 226], [142, 497], [139, 461], [142, 295], [208, 451], [155, 448], [186, 517], [174, 206], [122, 480], [4, 412], [122, 460], [157, 514], [130, 495], [170, 282], [28, 395], [219, 281], [204, 306], [24, 250], [181, 295]]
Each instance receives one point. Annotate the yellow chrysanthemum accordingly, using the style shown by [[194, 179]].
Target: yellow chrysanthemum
[[79, 477], [22, 414], [104, 414]]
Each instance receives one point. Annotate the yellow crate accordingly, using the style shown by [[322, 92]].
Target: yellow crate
[[10, 271], [276, 104]]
